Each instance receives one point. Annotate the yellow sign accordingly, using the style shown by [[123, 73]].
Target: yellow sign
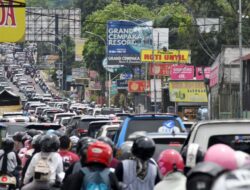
[[187, 91], [12, 21], [79, 45], [170, 56]]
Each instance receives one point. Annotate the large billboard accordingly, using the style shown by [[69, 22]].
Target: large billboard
[[126, 39], [182, 72], [187, 91], [169, 56], [12, 21], [138, 85], [159, 69]]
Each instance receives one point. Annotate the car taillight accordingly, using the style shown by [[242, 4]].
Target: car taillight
[[4, 179], [82, 131]]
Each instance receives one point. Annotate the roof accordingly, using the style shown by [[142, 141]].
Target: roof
[[9, 93]]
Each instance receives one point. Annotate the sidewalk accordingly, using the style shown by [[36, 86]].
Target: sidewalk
[[51, 85]]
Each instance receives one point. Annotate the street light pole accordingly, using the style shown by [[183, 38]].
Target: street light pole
[[61, 80], [241, 64]]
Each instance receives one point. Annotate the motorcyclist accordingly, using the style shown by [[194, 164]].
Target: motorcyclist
[[9, 161], [18, 144], [46, 167], [139, 173], [171, 166], [96, 173]]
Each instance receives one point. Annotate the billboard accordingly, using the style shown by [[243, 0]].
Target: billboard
[[187, 91], [170, 56], [182, 72], [156, 89], [122, 84], [94, 85], [79, 44], [199, 73], [161, 38], [138, 85], [159, 69], [126, 39], [12, 21]]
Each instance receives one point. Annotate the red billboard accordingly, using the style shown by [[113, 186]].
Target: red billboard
[[138, 85], [182, 72], [159, 69], [199, 73]]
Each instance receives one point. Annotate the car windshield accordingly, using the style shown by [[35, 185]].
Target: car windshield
[[149, 125], [237, 142]]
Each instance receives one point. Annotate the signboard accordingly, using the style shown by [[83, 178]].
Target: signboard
[[199, 73], [79, 72], [161, 38], [182, 72], [155, 85], [187, 91], [126, 39], [93, 85], [12, 21], [214, 76], [159, 69], [79, 44], [122, 84], [113, 88], [126, 76], [138, 85], [170, 56]]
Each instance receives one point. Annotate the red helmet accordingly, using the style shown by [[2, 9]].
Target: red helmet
[[99, 152], [170, 160]]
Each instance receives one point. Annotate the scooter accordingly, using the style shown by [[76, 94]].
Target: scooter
[[7, 182]]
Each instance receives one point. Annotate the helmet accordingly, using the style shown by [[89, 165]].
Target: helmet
[[36, 142], [33, 132], [7, 145], [242, 158], [18, 136], [124, 152], [191, 154], [202, 176], [74, 140], [107, 141], [169, 161], [222, 155], [99, 152], [237, 179], [83, 142], [143, 148], [25, 138], [50, 132], [49, 143]]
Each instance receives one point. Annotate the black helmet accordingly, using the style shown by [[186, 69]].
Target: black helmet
[[49, 143], [143, 148], [7, 145], [18, 136], [33, 132], [191, 154], [26, 137], [83, 141], [202, 176], [36, 142], [237, 179]]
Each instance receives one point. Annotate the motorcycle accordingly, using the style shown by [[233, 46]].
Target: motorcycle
[[7, 182]]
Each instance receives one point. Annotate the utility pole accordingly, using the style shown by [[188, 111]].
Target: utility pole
[[241, 64]]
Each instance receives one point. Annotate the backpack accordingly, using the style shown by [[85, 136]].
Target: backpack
[[42, 169], [95, 180]]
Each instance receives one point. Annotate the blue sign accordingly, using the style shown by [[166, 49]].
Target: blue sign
[[126, 39], [122, 84]]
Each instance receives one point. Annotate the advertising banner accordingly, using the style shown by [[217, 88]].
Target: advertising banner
[[12, 21], [138, 85], [113, 88], [159, 69], [199, 73], [170, 56], [187, 91], [156, 89], [126, 39], [79, 45], [182, 72], [122, 84], [214, 76], [94, 85]]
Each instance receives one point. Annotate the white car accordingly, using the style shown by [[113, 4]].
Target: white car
[[108, 131], [58, 116]]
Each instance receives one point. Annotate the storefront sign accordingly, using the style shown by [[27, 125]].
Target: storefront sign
[[214, 76], [159, 69], [93, 85], [122, 84], [170, 56], [12, 21], [199, 73], [187, 91], [182, 72], [138, 85]]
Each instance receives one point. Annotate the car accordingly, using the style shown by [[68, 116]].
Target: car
[[58, 116], [149, 123], [43, 126], [48, 114], [8, 129], [234, 133], [12, 114], [108, 130]]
